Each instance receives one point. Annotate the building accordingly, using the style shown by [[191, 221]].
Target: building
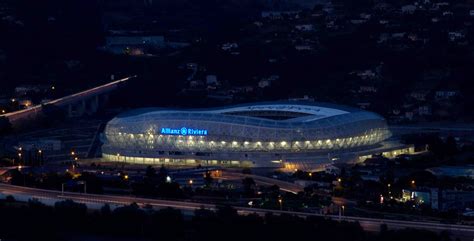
[[303, 135], [440, 199]]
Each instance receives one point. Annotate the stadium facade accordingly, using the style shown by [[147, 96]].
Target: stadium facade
[[269, 134]]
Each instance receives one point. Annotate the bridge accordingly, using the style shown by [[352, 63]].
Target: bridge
[[78, 104]]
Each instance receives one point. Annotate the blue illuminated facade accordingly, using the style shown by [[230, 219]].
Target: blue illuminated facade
[[260, 134], [183, 131]]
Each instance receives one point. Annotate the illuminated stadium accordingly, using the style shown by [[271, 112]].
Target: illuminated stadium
[[269, 134]]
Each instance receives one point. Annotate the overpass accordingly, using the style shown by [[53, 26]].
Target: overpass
[[76, 104], [94, 201]]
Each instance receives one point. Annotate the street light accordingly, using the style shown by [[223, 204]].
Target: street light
[[40, 156], [280, 201]]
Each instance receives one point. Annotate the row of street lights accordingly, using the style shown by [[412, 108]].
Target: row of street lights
[[22, 160]]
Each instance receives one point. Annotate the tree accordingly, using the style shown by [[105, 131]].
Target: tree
[[162, 174], [249, 185], [226, 212], [150, 172], [94, 184], [10, 199], [5, 125], [105, 210], [451, 146], [208, 178]]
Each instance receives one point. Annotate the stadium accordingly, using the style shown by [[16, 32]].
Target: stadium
[[269, 134]]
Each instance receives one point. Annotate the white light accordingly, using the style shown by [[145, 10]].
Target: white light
[[168, 179]]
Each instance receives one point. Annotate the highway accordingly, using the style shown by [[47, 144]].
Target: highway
[[33, 111], [93, 201], [446, 129]]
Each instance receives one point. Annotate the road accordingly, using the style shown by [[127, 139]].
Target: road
[[463, 232], [32, 112], [454, 129]]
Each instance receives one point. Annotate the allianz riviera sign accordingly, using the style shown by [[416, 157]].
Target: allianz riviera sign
[[184, 131]]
